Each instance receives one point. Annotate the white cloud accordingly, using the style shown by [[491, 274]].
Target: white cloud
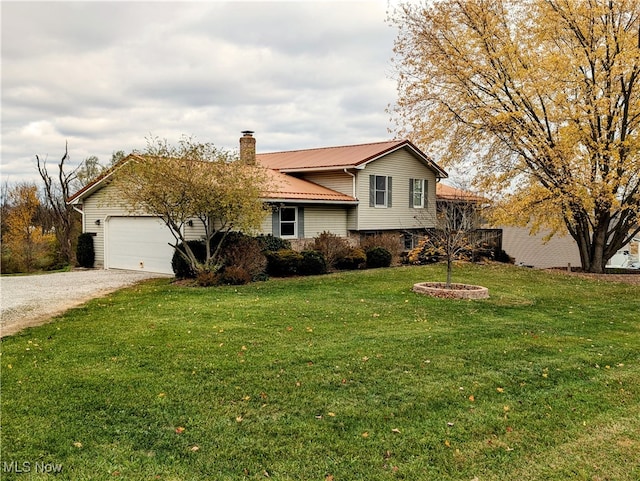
[[106, 75]]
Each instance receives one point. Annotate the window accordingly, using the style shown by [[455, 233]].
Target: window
[[417, 193], [289, 222], [379, 191]]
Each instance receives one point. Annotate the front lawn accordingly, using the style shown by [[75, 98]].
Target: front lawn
[[347, 376]]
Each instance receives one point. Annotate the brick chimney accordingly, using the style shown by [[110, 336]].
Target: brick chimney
[[248, 147]]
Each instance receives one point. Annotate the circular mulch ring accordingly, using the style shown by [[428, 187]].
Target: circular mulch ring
[[456, 291]]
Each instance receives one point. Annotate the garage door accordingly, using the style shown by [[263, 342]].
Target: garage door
[[138, 243]]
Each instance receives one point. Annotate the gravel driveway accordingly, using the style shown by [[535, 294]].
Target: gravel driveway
[[32, 300]]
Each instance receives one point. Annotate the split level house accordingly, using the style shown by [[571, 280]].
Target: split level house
[[350, 191]]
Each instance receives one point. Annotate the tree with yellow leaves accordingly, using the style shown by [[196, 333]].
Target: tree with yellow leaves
[[541, 98], [194, 183], [23, 239]]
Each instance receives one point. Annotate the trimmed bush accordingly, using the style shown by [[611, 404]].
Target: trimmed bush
[[355, 258], [313, 263], [378, 257], [244, 254], [180, 266], [270, 243], [235, 276], [283, 263], [391, 241], [332, 246], [238, 250], [207, 279], [85, 254]]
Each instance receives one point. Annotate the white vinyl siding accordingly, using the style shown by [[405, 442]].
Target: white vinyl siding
[[338, 181], [99, 207], [320, 219], [401, 166]]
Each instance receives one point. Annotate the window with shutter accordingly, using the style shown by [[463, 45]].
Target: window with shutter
[[379, 191], [417, 190]]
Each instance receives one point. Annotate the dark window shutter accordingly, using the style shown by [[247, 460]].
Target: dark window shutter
[[425, 193], [411, 193], [388, 191], [372, 191], [275, 223], [300, 223]]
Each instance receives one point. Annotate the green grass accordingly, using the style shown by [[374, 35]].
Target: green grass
[[347, 376]]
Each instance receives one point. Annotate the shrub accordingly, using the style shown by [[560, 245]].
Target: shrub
[[235, 276], [313, 263], [332, 247], [180, 266], [283, 263], [271, 243], [355, 258], [207, 278], [85, 254], [392, 242], [501, 256], [238, 250], [245, 253], [424, 253], [378, 257]]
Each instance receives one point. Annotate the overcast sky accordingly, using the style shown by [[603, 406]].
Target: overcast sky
[[106, 76]]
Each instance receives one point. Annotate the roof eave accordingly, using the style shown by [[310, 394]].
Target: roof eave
[[78, 197], [315, 169], [290, 200]]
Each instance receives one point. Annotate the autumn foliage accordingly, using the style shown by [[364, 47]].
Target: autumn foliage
[[26, 246], [541, 98], [196, 185]]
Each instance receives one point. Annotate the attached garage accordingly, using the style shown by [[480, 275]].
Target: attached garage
[[138, 243]]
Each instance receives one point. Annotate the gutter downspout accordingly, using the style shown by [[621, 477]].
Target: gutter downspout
[[81, 212], [353, 194], [353, 183]]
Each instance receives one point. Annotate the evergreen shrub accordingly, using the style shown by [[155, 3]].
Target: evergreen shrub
[[283, 263], [355, 258], [85, 253], [313, 263], [378, 257]]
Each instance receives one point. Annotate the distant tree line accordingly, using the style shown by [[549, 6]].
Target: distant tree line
[[39, 230]]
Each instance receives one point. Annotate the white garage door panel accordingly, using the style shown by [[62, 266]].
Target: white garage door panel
[[139, 243]]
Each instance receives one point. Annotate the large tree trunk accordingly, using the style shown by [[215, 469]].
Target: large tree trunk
[[593, 246]]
